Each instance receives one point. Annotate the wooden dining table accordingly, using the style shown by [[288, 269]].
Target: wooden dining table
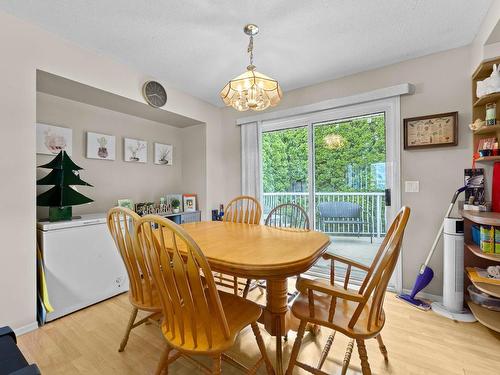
[[261, 253]]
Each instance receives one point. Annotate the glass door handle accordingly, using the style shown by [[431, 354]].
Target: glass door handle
[[387, 197]]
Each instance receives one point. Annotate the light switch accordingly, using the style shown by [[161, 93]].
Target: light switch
[[412, 187]]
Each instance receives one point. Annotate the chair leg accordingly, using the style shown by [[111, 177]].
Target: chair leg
[[363, 356], [216, 365], [235, 285], [163, 364], [247, 288], [347, 357], [262, 348], [296, 347], [382, 347], [131, 321]]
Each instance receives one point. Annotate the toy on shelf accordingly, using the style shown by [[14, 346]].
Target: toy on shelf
[[489, 85], [476, 125]]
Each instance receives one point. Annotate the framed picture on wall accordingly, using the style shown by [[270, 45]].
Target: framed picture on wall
[[101, 146], [135, 150], [163, 154], [189, 202], [431, 131], [50, 139]]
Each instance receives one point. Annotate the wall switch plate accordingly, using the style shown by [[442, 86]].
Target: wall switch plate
[[412, 186]]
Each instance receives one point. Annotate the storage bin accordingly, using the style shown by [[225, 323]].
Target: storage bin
[[497, 240], [475, 235], [483, 299]]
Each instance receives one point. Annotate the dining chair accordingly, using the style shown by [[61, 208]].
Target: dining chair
[[198, 319], [357, 314], [245, 210], [142, 292], [287, 215]]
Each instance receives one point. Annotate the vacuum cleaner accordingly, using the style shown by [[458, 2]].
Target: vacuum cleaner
[[426, 273]]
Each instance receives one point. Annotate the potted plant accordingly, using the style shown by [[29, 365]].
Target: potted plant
[[175, 205]]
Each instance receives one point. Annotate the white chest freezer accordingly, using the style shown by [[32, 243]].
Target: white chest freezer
[[82, 264]]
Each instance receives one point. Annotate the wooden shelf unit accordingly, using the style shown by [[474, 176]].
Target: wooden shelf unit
[[479, 107], [486, 317], [488, 158], [474, 257], [487, 129], [477, 251]]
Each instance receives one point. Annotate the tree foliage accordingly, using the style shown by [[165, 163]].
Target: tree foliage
[[349, 156]]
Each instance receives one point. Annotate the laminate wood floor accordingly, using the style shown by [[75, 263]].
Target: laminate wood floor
[[86, 342]]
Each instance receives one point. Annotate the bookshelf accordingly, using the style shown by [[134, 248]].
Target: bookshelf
[[474, 257], [479, 108]]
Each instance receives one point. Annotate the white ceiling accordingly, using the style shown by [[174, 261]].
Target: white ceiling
[[196, 46]]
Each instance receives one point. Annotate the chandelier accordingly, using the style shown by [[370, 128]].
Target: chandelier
[[334, 141], [251, 90]]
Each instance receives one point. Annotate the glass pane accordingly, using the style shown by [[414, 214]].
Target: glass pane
[[284, 168], [349, 172]]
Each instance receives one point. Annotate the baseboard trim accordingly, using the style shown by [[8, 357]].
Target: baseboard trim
[[25, 329], [427, 296]]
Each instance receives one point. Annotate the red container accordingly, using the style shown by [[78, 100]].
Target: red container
[[495, 187]]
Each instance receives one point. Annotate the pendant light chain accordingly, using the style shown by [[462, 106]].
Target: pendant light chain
[[250, 49]]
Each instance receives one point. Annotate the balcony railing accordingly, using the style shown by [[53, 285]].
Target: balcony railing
[[372, 205]]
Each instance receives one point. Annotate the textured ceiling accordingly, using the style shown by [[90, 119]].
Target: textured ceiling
[[198, 45]]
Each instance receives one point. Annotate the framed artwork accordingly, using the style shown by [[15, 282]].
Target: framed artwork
[[101, 146], [127, 203], [50, 139], [431, 131], [135, 150], [189, 202], [163, 154]]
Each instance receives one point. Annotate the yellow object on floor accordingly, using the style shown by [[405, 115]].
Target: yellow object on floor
[[42, 284]]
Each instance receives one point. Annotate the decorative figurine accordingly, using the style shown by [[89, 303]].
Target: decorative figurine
[[61, 197]]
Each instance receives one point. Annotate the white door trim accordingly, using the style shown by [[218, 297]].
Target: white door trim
[[391, 107], [369, 96]]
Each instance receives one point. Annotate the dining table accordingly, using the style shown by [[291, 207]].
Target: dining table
[[260, 252]]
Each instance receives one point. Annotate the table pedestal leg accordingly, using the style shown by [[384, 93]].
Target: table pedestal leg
[[275, 316]]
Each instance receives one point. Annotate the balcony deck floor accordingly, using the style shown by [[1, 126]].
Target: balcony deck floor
[[358, 249]]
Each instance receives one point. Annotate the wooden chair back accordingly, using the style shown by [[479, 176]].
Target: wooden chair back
[[121, 223], [377, 278], [189, 297], [243, 209], [288, 215]]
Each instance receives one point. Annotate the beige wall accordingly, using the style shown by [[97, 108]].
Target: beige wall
[[442, 85], [442, 82], [26, 48], [118, 179]]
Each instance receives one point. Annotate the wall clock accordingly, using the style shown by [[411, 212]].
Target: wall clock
[[154, 93]]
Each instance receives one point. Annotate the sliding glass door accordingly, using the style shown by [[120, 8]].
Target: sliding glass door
[[341, 167], [285, 166]]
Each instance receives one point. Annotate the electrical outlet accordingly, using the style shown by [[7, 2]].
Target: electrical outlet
[[412, 187]]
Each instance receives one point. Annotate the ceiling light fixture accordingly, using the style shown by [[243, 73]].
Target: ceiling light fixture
[[251, 90]]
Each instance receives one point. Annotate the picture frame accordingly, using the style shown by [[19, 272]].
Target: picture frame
[[135, 150], [51, 139], [163, 154], [171, 197], [127, 203], [189, 202], [101, 146], [429, 131]]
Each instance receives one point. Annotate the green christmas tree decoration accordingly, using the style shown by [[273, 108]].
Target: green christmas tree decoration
[[62, 196]]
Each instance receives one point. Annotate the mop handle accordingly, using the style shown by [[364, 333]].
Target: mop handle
[[438, 235]]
